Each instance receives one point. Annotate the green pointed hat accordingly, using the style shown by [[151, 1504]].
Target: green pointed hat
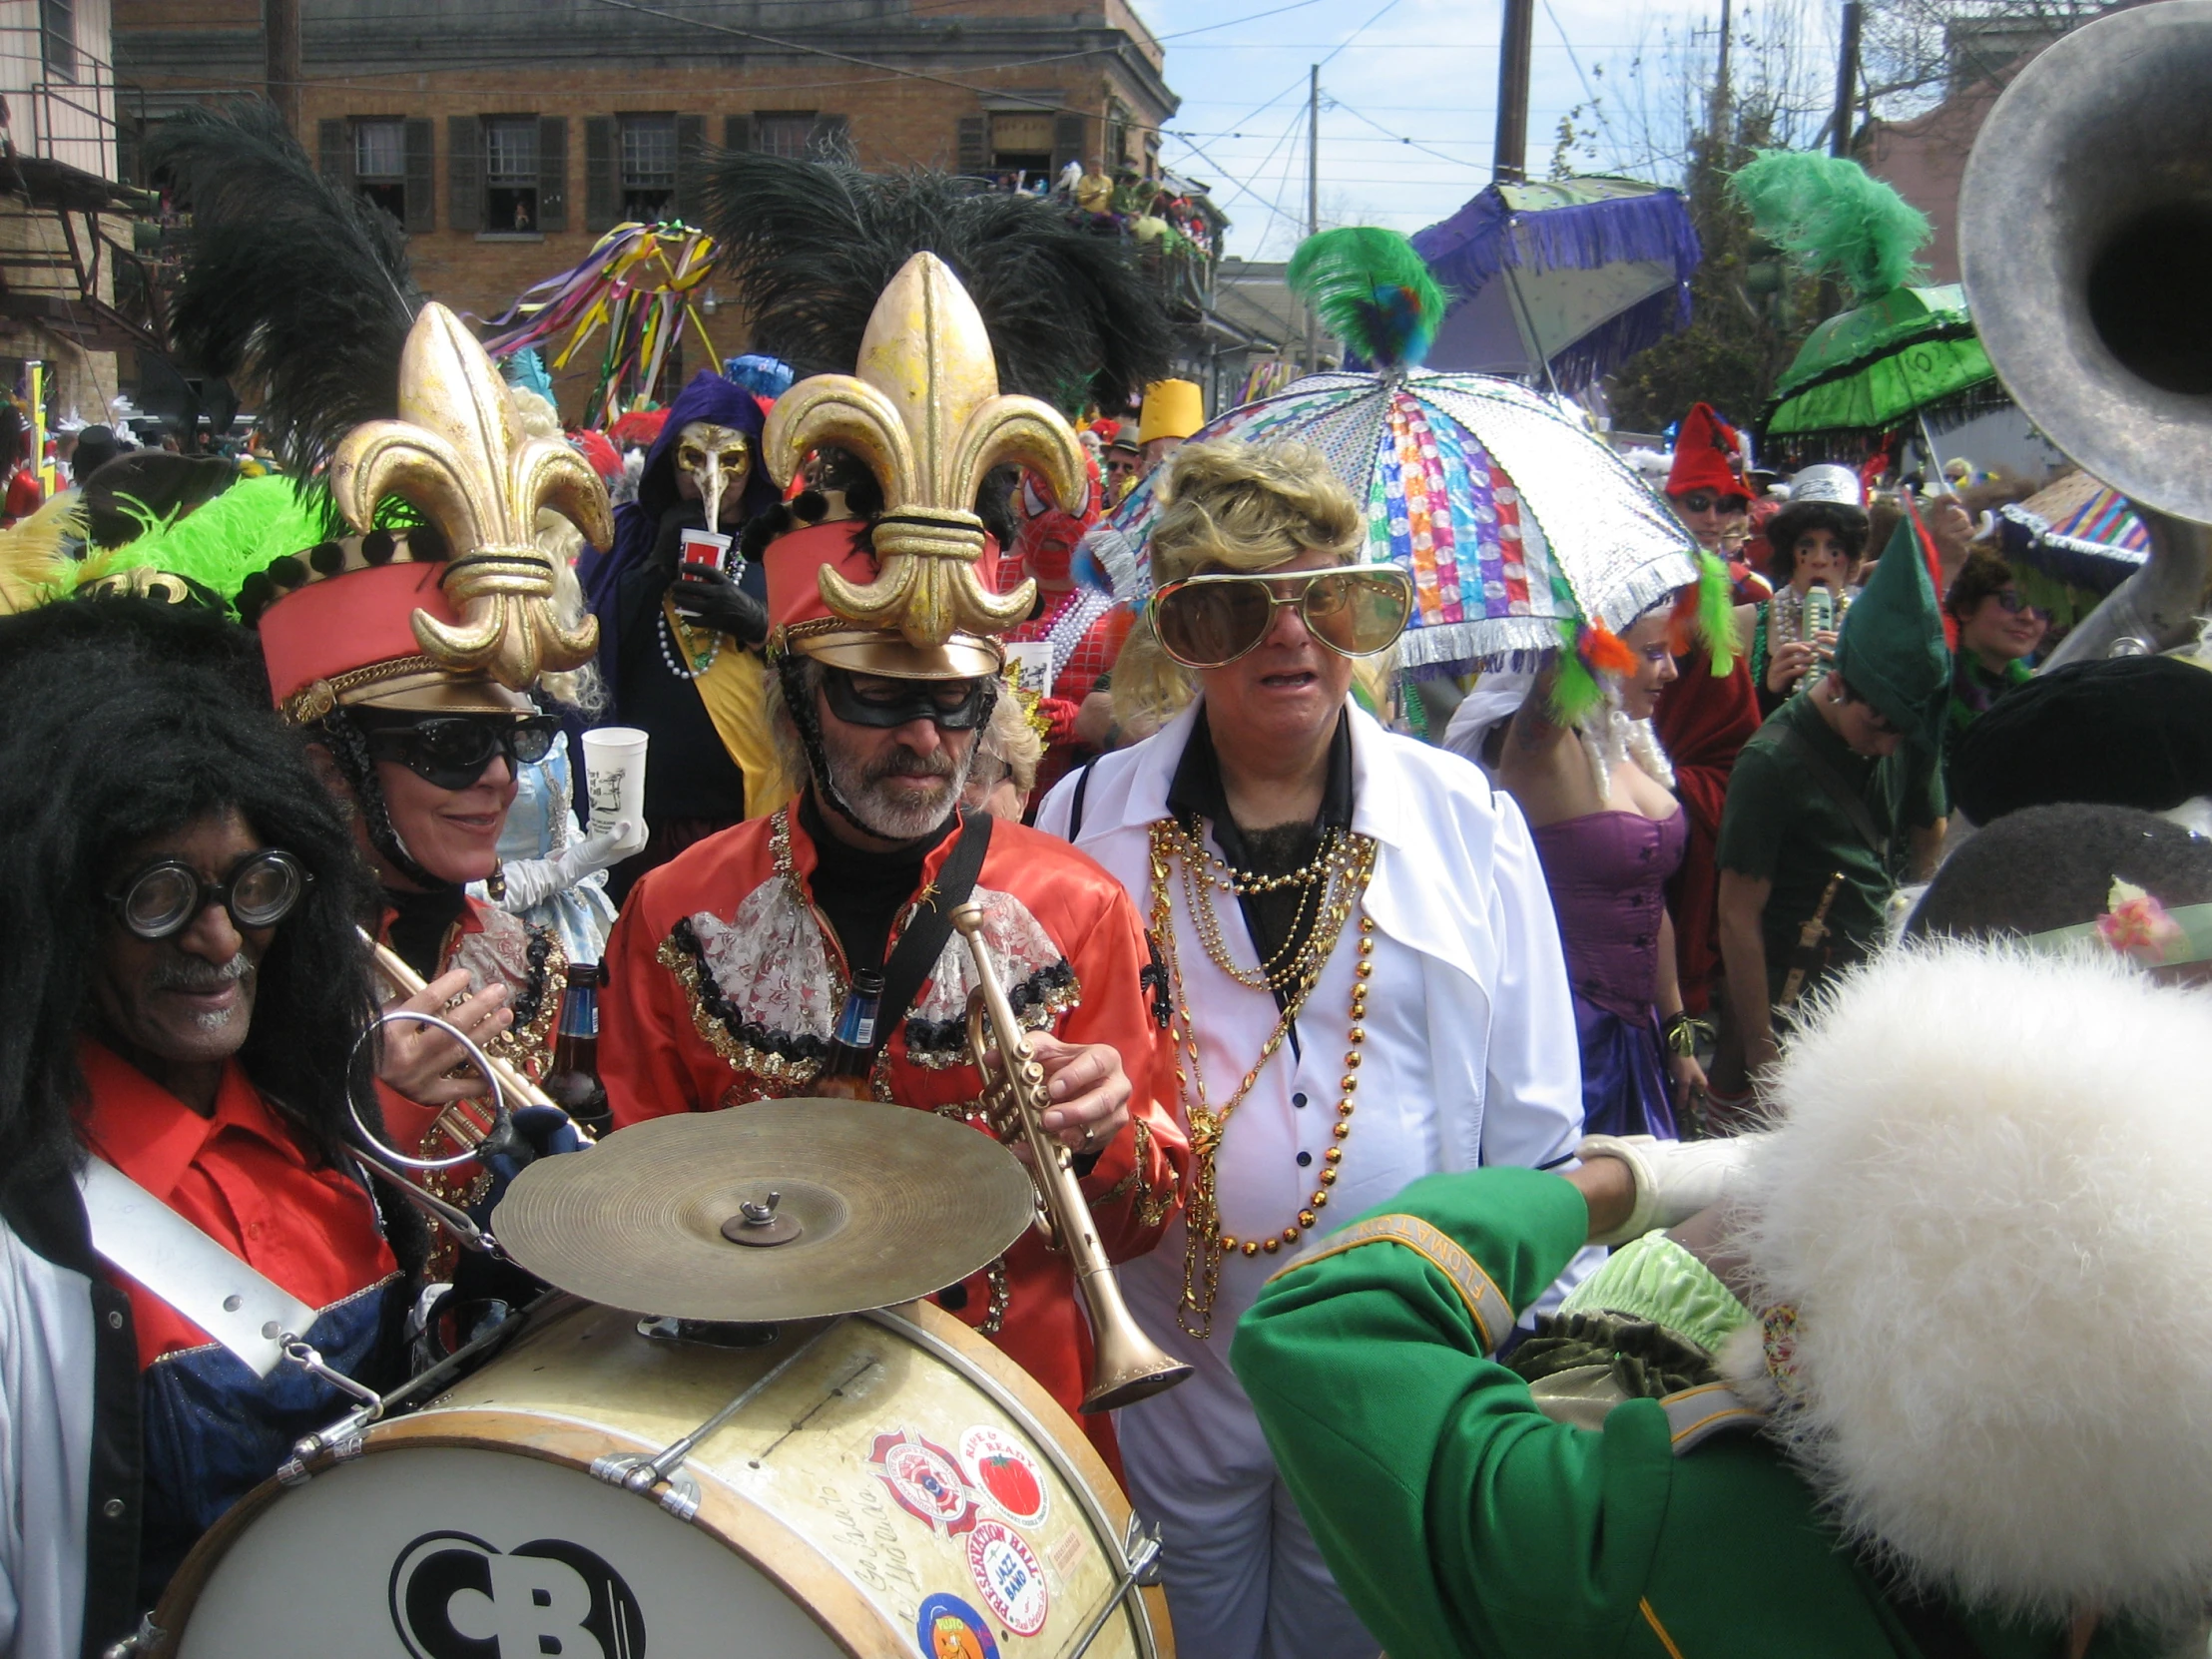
[[1892, 650]]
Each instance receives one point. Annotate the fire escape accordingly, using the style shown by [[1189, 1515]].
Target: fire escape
[[78, 250]]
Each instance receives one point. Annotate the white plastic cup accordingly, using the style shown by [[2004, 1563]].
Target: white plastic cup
[[705, 549], [614, 777]]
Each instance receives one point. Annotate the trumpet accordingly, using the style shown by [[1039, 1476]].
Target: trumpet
[[517, 1089], [1126, 1366]]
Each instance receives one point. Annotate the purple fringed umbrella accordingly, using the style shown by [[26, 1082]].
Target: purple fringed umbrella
[[1576, 275]]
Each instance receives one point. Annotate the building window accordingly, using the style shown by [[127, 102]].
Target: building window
[[57, 24], [510, 173], [648, 166], [1022, 145], [380, 164], [784, 135]]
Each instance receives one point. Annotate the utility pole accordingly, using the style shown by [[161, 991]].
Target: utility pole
[[1723, 93], [1516, 37], [281, 48], [1847, 78], [1313, 202]]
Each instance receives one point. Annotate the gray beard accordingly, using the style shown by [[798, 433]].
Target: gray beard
[[881, 814]]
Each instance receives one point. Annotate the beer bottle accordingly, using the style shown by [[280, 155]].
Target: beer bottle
[[844, 1074], [573, 1083]]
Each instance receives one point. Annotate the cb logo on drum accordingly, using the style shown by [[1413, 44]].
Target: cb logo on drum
[[456, 1597]]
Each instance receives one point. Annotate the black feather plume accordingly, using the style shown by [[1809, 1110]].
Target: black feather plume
[[809, 246], [290, 287]]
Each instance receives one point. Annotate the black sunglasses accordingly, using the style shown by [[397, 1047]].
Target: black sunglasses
[[453, 751], [161, 900], [1704, 501]]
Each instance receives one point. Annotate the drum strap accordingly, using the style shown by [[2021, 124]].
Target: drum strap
[[919, 948], [137, 1234]]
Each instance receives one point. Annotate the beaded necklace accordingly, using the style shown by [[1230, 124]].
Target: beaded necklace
[[1336, 879], [697, 660]]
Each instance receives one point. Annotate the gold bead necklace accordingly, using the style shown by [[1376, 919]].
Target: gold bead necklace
[[1350, 862]]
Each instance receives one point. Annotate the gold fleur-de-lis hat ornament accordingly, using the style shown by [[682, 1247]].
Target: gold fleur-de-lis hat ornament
[[912, 595], [457, 613]]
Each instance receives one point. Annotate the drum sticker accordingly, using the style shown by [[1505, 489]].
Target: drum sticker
[[1010, 1577], [1000, 1465], [453, 1596], [925, 1480], [949, 1628]]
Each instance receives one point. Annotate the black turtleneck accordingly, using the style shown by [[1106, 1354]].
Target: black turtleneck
[[861, 892], [419, 923]]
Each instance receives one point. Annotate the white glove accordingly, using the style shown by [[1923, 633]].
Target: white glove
[[1673, 1179], [534, 880]]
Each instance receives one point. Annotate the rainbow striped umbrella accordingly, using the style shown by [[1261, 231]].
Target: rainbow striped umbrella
[[1511, 516]]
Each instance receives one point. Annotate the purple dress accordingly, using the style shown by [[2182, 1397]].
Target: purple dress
[[1607, 872]]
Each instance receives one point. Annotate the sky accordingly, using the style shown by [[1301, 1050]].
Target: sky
[[1417, 70]]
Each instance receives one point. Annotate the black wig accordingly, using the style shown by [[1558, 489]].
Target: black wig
[[1848, 524], [130, 719]]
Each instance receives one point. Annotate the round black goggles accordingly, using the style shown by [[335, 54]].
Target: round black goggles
[[1210, 621], [453, 751], [259, 890]]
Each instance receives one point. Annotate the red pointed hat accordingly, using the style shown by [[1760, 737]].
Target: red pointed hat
[[1707, 455]]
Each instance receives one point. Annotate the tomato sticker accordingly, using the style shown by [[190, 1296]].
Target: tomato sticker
[[1010, 1577], [1002, 1467]]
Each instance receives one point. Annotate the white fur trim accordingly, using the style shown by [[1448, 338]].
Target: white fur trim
[[1988, 1197]]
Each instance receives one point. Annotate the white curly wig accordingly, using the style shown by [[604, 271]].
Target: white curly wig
[[1988, 1197]]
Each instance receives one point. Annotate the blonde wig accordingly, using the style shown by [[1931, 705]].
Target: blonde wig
[[1229, 506]]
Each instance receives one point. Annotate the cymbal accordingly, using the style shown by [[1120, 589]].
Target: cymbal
[[890, 1203]]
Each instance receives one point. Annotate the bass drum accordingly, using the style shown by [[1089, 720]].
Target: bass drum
[[890, 1485]]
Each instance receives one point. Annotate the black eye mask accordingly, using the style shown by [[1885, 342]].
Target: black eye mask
[[914, 700]]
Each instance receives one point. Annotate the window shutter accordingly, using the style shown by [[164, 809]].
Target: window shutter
[[737, 131], [331, 159], [602, 200], [464, 173], [691, 137], [973, 131], [830, 140], [552, 174], [1067, 141], [423, 207]]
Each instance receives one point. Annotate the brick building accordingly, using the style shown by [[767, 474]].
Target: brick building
[[506, 136]]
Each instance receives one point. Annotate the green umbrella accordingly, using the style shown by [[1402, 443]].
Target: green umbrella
[[1878, 366], [1901, 349]]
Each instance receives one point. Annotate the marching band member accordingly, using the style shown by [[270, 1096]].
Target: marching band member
[[1955, 1401], [181, 991], [737, 969], [1361, 967]]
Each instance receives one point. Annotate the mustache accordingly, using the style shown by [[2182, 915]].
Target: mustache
[[905, 763], [198, 977]]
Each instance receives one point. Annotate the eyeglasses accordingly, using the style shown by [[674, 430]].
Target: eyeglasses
[[1210, 621], [453, 751], [1704, 501], [162, 899], [949, 705]]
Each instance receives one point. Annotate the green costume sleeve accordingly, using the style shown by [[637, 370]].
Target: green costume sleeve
[[1753, 815], [1458, 1519]]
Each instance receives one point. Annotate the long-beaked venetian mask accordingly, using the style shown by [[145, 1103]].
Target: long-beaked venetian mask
[[719, 459]]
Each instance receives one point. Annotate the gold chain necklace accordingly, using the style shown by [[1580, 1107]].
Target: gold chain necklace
[[1203, 872], [1205, 1243]]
